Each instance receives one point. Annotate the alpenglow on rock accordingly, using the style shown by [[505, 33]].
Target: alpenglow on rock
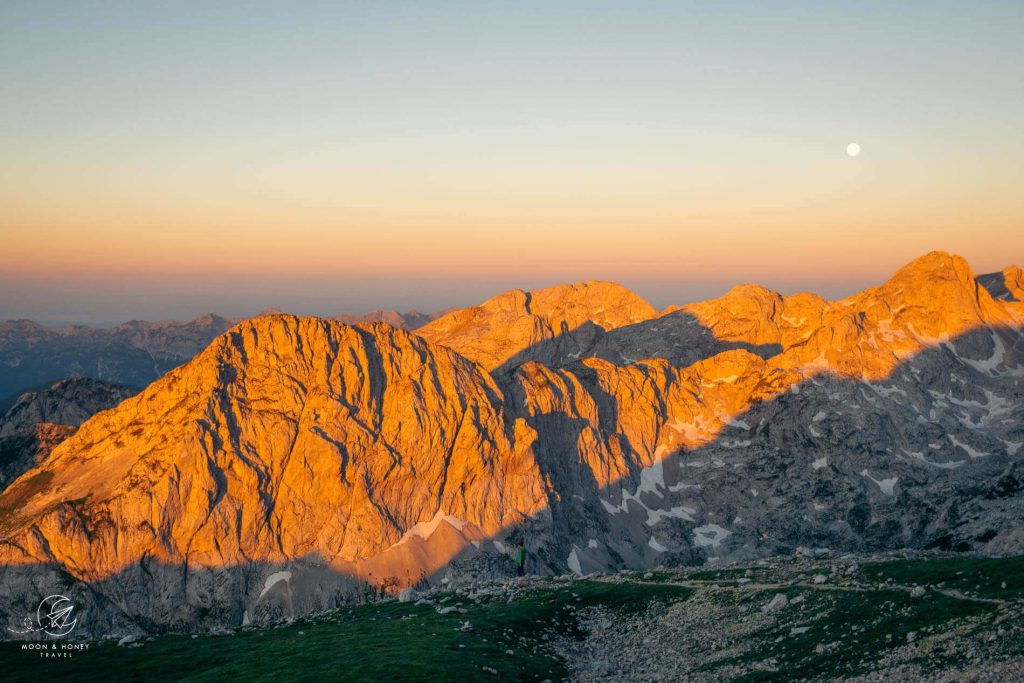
[[297, 462]]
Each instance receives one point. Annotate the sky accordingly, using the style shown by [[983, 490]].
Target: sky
[[162, 160]]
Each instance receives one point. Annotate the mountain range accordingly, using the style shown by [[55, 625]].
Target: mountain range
[[295, 462], [133, 354]]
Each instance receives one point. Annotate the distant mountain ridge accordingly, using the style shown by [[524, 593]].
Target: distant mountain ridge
[[295, 459], [39, 420]]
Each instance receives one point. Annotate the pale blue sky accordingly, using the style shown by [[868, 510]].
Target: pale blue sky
[[136, 136]]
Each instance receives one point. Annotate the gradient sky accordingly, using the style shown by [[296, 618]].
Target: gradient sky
[[166, 159]]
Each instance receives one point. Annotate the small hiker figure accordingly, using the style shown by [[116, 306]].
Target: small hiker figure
[[520, 559]]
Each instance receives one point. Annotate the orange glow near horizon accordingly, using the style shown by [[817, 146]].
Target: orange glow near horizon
[[603, 242]]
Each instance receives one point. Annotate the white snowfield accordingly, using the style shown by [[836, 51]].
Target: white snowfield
[[885, 485], [573, 561], [426, 529], [710, 535], [273, 580]]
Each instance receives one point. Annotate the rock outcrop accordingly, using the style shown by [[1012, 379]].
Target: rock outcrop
[[39, 420], [1007, 285], [540, 325]]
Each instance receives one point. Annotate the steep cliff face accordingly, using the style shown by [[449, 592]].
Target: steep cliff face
[[296, 459], [541, 325], [288, 437]]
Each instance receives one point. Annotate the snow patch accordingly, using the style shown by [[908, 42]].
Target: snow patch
[[941, 465], [652, 478], [574, 563], [970, 451], [710, 535], [425, 529], [885, 485], [681, 512], [273, 580], [657, 546], [1012, 446], [820, 462], [989, 365]]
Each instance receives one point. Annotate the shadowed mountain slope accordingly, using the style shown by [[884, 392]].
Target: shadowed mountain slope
[[1007, 285], [39, 420]]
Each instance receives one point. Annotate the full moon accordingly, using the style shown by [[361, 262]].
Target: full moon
[[853, 149]]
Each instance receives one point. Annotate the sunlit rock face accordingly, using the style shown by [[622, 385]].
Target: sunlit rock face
[[296, 460], [287, 437], [541, 325]]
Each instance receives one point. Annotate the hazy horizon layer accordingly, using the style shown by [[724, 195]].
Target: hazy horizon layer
[[53, 305]]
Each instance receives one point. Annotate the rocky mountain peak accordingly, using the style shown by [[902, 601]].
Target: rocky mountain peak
[[286, 438], [516, 325], [1007, 285]]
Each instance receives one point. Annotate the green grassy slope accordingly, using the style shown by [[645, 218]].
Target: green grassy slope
[[858, 621]]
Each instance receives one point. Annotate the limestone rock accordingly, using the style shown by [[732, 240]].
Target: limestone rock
[[517, 326]]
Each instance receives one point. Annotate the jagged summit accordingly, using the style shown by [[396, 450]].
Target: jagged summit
[[511, 325], [1007, 285], [69, 401], [286, 437]]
